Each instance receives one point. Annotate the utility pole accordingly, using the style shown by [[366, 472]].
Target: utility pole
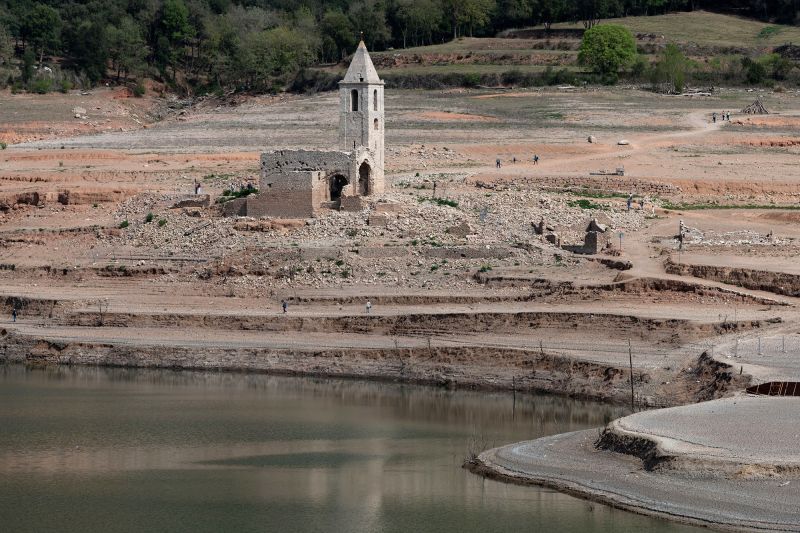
[[630, 360]]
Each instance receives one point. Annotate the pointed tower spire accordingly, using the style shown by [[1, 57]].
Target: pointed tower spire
[[361, 68]]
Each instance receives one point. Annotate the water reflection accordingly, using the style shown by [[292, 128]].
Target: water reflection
[[133, 450]]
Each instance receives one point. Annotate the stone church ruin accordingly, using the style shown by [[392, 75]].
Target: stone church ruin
[[300, 183]]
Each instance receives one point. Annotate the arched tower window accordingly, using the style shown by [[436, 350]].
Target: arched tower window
[[354, 100], [375, 101], [375, 122]]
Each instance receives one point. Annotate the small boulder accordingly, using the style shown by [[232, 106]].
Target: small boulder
[[461, 230], [378, 220]]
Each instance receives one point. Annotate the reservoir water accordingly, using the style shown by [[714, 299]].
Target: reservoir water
[[107, 450]]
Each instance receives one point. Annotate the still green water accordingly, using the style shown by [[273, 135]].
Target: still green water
[[93, 449]]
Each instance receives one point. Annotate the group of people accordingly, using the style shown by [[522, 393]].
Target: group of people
[[642, 202], [498, 163], [726, 115]]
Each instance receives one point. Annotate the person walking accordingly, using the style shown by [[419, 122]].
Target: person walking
[[369, 306], [14, 314], [497, 163], [284, 305], [535, 160], [630, 201]]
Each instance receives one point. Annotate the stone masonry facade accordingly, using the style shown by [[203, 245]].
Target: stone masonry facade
[[300, 183]]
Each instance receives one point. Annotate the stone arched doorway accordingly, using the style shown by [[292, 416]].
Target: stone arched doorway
[[364, 174], [337, 183]]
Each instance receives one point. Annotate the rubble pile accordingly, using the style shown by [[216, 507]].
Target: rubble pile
[[409, 237]]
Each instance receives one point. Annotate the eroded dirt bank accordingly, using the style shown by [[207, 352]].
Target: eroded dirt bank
[[760, 280], [456, 367]]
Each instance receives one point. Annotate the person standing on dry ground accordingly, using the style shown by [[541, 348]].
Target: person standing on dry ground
[[14, 314], [535, 159], [497, 162], [284, 305], [630, 201], [369, 306], [714, 117]]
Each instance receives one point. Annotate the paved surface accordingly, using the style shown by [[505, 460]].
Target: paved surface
[[569, 462]]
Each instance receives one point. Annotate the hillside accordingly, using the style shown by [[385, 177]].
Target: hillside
[[709, 30], [528, 52]]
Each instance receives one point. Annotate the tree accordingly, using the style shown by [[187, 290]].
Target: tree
[[42, 28], [418, 19], [514, 12], [551, 11], [369, 16], [338, 35], [272, 57], [671, 69], [28, 59], [86, 44], [607, 48], [126, 47], [6, 47], [172, 32], [474, 14], [477, 14]]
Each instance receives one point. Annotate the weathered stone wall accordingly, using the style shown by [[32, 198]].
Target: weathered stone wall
[[294, 195]]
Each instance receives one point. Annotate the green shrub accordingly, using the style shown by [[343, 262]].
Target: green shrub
[[755, 72], [3, 146], [472, 79], [139, 90], [768, 31], [243, 193], [438, 201], [148, 218], [65, 86], [124, 224], [41, 86], [162, 222], [583, 203]]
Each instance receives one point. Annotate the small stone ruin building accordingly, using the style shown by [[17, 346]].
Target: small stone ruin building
[[300, 183]]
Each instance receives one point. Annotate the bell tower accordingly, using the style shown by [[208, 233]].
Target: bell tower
[[361, 112]]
